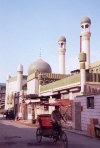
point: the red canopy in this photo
(64, 102)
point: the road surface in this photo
(14, 134)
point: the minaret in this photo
(62, 50)
(19, 77)
(85, 39)
(7, 91)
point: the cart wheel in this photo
(39, 135)
(55, 136)
(64, 140)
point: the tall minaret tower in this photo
(85, 39)
(19, 77)
(62, 50)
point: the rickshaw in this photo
(46, 129)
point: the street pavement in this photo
(14, 134)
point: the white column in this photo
(86, 47)
(62, 50)
(61, 63)
(19, 78)
(70, 95)
(83, 79)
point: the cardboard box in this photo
(94, 121)
(90, 130)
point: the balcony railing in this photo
(92, 77)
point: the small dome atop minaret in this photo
(85, 19)
(62, 38)
(20, 68)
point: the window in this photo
(90, 102)
(46, 107)
(2, 88)
(3, 95)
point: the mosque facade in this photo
(25, 93)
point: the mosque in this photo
(25, 93)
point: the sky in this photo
(28, 26)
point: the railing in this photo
(92, 77)
(61, 83)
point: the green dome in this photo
(40, 66)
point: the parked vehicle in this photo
(10, 114)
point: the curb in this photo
(76, 131)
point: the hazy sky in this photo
(26, 26)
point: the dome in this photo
(39, 65)
(85, 20)
(62, 38)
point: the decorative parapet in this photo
(93, 77)
(12, 79)
(95, 67)
(32, 76)
(92, 88)
(46, 75)
(61, 83)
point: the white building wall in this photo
(33, 87)
(86, 113)
(75, 94)
(39, 109)
(70, 95)
(65, 96)
(12, 87)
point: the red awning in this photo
(63, 102)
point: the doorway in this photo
(78, 115)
